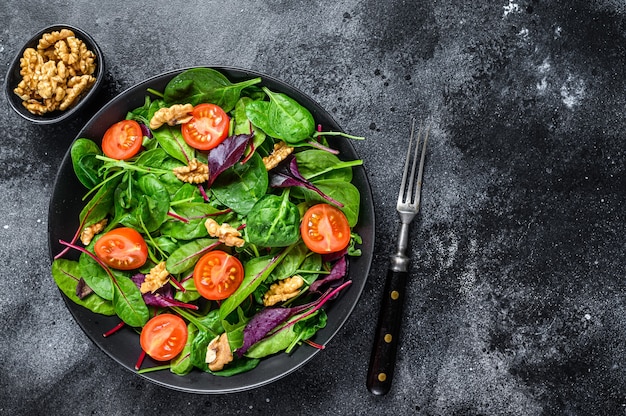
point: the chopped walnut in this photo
(154, 280)
(226, 233)
(283, 290)
(77, 85)
(88, 232)
(218, 353)
(280, 152)
(49, 39)
(176, 114)
(56, 74)
(195, 172)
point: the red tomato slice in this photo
(208, 127)
(122, 248)
(122, 140)
(217, 275)
(325, 229)
(164, 336)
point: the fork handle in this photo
(383, 358)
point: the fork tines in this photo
(409, 195)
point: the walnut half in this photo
(154, 280)
(195, 172)
(283, 290)
(218, 353)
(225, 233)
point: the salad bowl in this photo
(123, 346)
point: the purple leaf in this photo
(338, 272)
(267, 320)
(262, 323)
(82, 290)
(226, 154)
(287, 174)
(163, 297)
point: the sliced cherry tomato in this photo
(122, 140)
(325, 229)
(122, 248)
(217, 275)
(208, 127)
(164, 336)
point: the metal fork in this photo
(383, 357)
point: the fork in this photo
(383, 356)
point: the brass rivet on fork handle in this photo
(383, 357)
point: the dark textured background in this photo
(518, 302)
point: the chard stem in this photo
(114, 329)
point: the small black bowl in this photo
(13, 78)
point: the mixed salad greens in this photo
(218, 234)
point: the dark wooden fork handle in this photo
(383, 358)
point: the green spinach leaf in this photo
(66, 274)
(83, 154)
(205, 85)
(273, 221)
(242, 185)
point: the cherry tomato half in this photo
(122, 248)
(164, 336)
(325, 229)
(122, 140)
(208, 127)
(217, 275)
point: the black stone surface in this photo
(517, 304)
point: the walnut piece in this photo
(56, 74)
(154, 280)
(218, 353)
(225, 233)
(88, 232)
(195, 172)
(283, 290)
(176, 114)
(280, 152)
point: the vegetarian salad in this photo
(217, 223)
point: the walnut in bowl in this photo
(54, 74)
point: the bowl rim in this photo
(13, 75)
(196, 382)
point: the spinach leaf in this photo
(101, 204)
(311, 163)
(182, 364)
(156, 201)
(196, 214)
(311, 264)
(85, 163)
(243, 125)
(198, 350)
(171, 140)
(344, 192)
(242, 185)
(142, 204)
(290, 264)
(188, 254)
(95, 276)
(66, 274)
(273, 221)
(285, 337)
(205, 85)
(258, 113)
(128, 302)
(289, 120)
(256, 270)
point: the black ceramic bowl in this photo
(13, 78)
(66, 204)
